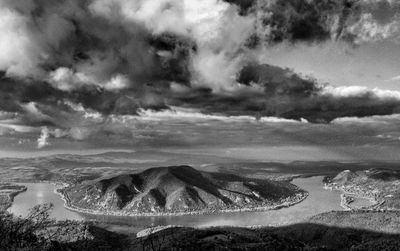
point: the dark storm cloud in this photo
(354, 21)
(15, 96)
(287, 95)
(67, 35)
(307, 21)
(115, 57)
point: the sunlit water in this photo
(40, 193)
(318, 201)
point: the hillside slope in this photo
(306, 236)
(388, 222)
(178, 189)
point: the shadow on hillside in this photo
(305, 236)
(294, 237)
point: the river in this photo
(318, 201)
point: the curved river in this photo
(318, 201)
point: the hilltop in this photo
(178, 189)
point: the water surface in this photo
(318, 201)
(41, 193)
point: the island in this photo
(177, 190)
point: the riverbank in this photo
(375, 189)
(348, 199)
(7, 194)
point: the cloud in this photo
(18, 128)
(19, 54)
(66, 80)
(369, 29)
(361, 91)
(42, 141)
(29, 42)
(215, 26)
(395, 78)
(315, 21)
(74, 64)
(81, 133)
(195, 115)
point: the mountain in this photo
(177, 189)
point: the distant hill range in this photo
(177, 189)
(383, 185)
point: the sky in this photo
(374, 65)
(309, 79)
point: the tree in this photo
(30, 233)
